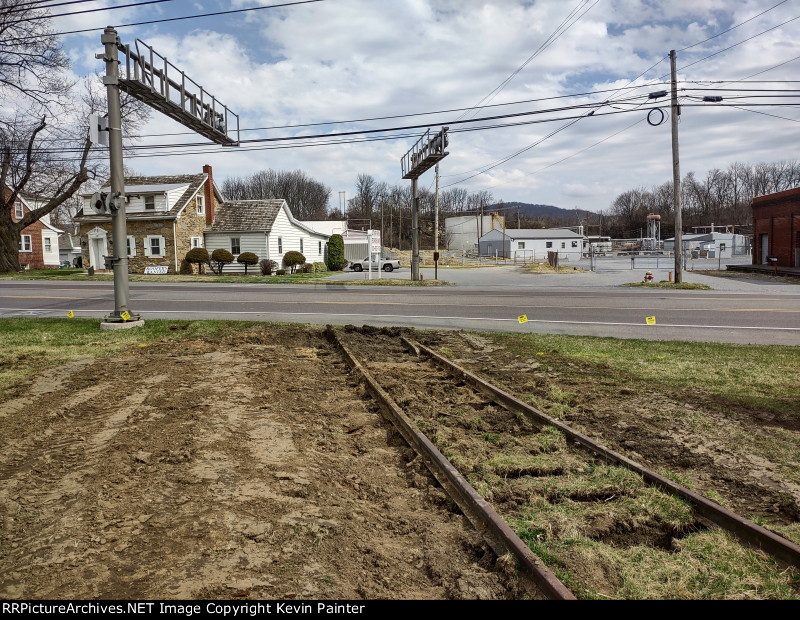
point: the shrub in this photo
(267, 266)
(247, 259)
(292, 259)
(320, 267)
(335, 259)
(280, 272)
(186, 268)
(220, 258)
(307, 268)
(199, 256)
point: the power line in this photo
(43, 4)
(174, 19)
(96, 10)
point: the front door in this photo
(764, 248)
(98, 248)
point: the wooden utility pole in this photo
(676, 173)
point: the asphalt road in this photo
(762, 317)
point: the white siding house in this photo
(532, 243)
(266, 228)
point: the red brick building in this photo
(776, 228)
(38, 244)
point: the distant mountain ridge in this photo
(572, 216)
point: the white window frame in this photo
(131, 246)
(18, 210)
(146, 199)
(548, 244)
(196, 242)
(574, 244)
(238, 245)
(199, 204)
(563, 245)
(148, 246)
(280, 245)
(520, 245)
(301, 245)
(25, 243)
(319, 250)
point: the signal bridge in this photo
(150, 77)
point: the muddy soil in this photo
(248, 467)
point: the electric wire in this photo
(95, 10)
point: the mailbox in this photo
(772, 260)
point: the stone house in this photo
(166, 216)
(38, 243)
(266, 228)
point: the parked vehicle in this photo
(387, 264)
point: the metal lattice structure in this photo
(151, 78)
(425, 154)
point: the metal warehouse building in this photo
(532, 243)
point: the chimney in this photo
(208, 192)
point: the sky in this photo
(331, 62)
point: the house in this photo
(266, 228)
(776, 228)
(38, 243)
(166, 217)
(714, 244)
(69, 248)
(532, 243)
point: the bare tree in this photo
(307, 197)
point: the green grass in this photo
(296, 278)
(760, 376)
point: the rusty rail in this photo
(745, 530)
(494, 530)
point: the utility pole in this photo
(676, 173)
(122, 313)
(414, 231)
(436, 214)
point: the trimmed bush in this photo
(292, 259)
(320, 267)
(267, 266)
(335, 259)
(307, 268)
(186, 268)
(247, 259)
(199, 256)
(280, 272)
(220, 258)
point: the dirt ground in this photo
(251, 467)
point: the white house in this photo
(266, 228)
(716, 244)
(532, 243)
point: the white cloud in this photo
(353, 59)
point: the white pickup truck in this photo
(387, 264)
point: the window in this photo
(563, 244)
(154, 245)
(521, 245)
(301, 246)
(548, 244)
(320, 247)
(197, 242)
(149, 202)
(48, 245)
(236, 245)
(18, 210)
(198, 203)
(25, 243)
(574, 244)
(280, 245)
(721, 247)
(131, 245)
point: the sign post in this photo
(374, 243)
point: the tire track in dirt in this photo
(249, 467)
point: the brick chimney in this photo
(208, 192)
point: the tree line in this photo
(720, 197)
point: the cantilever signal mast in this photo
(426, 153)
(151, 78)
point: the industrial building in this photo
(532, 243)
(462, 232)
(776, 228)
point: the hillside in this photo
(537, 211)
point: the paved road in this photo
(764, 315)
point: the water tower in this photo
(653, 239)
